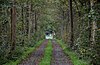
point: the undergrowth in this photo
(72, 55)
(24, 55)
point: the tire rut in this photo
(58, 56)
(36, 56)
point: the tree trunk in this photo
(89, 23)
(35, 20)
(93, 25)
(23, 25)
(30, 23)
(93, 33)
(13, 26)
(71, 23)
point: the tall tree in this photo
(93, 32)
(30, 23)
(13, 25)
(93, 24)
(71, 23)
(35, 20)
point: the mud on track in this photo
(58, 56)
(36, 56)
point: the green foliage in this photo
(21, 55)
(50, 14)
(73, 55)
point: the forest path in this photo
(58, 56)
(36, 56)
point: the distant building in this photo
(49, 34)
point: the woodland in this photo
(23, 23)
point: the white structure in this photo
(49, 36)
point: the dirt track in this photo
(36, 56)
(58, 57)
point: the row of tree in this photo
(20, 27)
(82, 27)
(23, 23)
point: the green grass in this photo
(73, 56)
(24, 54)
(47, 55)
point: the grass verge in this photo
(47, 55)
(73, 56)
(25, 54)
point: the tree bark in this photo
(89, 23)
(35, 20)
(71, 23)
(13, 27)
(93, 33)
(30, 23)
